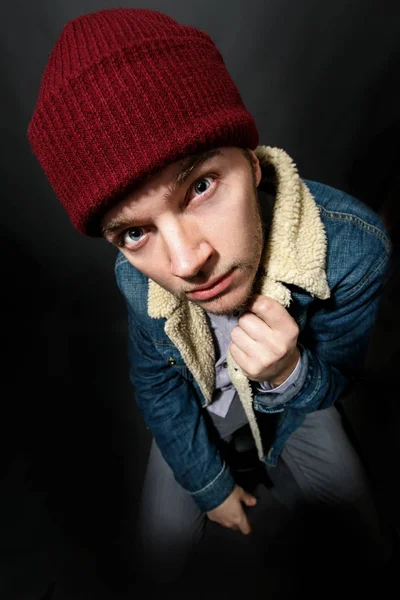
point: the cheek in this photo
(223, 224)
(244, 226)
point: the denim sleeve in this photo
(281, 395)
(264, 387)
(173, 413)
(336, 338)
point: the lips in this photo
(207, 291)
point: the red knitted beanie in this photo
(126, 92)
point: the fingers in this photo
(242, 341)
(246, 497)
(231, 514)
(254, 368)
(256, 328)
(272, 313)
(238, 354)
(249, 500)
(244, 525)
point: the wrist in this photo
(280, 378)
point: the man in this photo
(250, 292)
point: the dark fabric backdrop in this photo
(321, 79)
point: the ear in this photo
(256, 166)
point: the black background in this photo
(321, 79)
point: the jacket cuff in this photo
(215, 492)
(264, 387)
(273, 399)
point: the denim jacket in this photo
(325, 260)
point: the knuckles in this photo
(253, 375)
(263, 304)
(233, 334)
(246, 318)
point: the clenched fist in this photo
(264, 342)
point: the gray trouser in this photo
(318, 466)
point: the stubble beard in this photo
(255, 267)
(240, 306)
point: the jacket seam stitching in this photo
(348, 217)
(211, 482)
(364, 282)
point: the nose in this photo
(187, 249)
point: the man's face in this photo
(195, 229)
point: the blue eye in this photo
(199, 185)
(133, 234)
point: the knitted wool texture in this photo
(126, 92)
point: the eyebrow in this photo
(190, 164)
